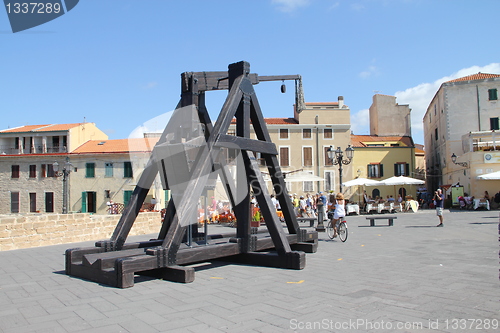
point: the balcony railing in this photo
(481, 141)
(8, 150)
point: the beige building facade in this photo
(302, 142)
(463, 119)
(96, 172)
(388, 118)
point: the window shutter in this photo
(381, 170)
(407, 170)
(396, 170)
(84, 202)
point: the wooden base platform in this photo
(118, 268)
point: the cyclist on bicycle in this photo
(339, 211)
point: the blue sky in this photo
(118, 63)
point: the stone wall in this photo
(31, 230)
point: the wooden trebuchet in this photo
(187, 159)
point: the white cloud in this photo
(150, 85)
(357, 6)
(290, 5)
(360, 122)
(420, 96)
(334, 6)
(371, 71)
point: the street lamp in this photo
(337, 158)
(454, 160)
(66, 169)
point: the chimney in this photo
(341, 102)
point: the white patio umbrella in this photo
(360, 182)
(401, 180)
(490, 176)
(302, 176)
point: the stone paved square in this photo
(411, 277)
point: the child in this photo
(339, 211)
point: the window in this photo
(307, 156)
(33, 202)
(50, 170)
(328, 180)
(32, 171)
(492, 94)
(108, 169)
(401, 169)
(283, 133)
(15, 171)
(306, 133)
(494, 125)
(284, 157)
(49, 202)
(308, 186)
(107, 194)
(90, 170)
(328, 161)
(14, 202)
(127, 170)
(327, 133)
(375, 170)
(126, 197)
(436, 134)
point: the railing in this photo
(9, 150)
(481, 141)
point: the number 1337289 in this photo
(471, 324)
(33, 8)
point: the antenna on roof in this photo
(84, 120)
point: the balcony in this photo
(9, 150)
(481, 141)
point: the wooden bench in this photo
(310, 219)
(390, 218)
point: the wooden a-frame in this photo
(115, 262)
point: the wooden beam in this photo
(235, 142)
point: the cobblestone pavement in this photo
(411, 277)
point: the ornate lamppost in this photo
(64, 172)
(337, 158)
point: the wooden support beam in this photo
(232, 142)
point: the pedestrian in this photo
(438, 199)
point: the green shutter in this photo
(90, 170)
(84, 202)
(126, 197)
(127, 170)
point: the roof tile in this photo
(359, 141)
(478, 76)
(117, 146)
(41, 128)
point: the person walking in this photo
(438, 198)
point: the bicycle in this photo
(341, 229)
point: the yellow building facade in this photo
(382, 157)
